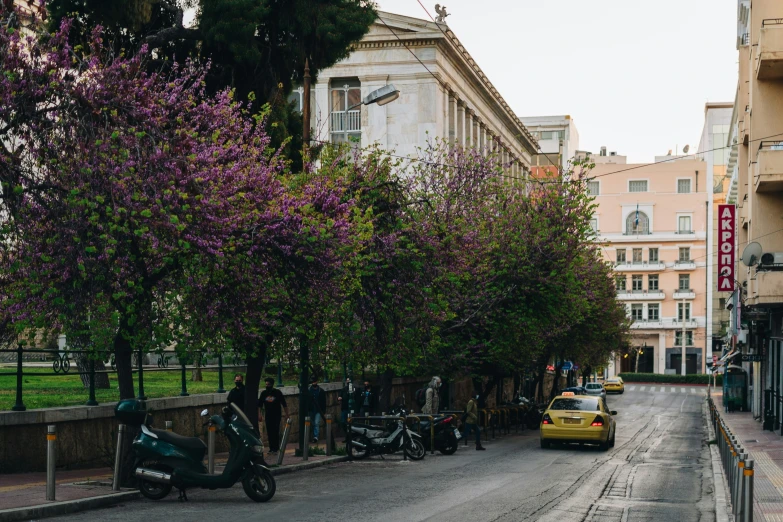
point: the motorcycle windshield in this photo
(241, 417)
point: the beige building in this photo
(756, 188)
(651, 221)
(443, 94)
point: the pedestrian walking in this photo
(432, 404)
(273, 402)
(471, 422)
(237, 395)
(366, 400)
(347, 400)
(317, 407)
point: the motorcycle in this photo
(365, 440)
(163, 459)
(446, 433)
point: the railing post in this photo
(747, 504)
(220, 374)
(405, 439)
(284, 443)
(738, 509)
(91, 401)
(115, 485)
(306, 443)
(211, 449)
(328, 435)
(141, 376)
(51, 460)
(19, 405)
(184, 392)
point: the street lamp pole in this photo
(682, 370)
(306, 111)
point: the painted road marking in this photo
(683, 390)
(632, 388)
(642, 388)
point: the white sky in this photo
(634, 75)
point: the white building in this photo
(443, 94)
(552, 132)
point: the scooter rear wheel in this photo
(450, 446)
(415, 450)
(154, 490)
(259, 485)
(358, 453)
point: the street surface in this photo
(658, 470)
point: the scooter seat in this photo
(188, 443)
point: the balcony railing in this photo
(350, 123)
(638, 266)
(770, 50)
(637, 233)
(684, 293)
(641, 295)
(685, 264)
(685, 232)
(769, 165)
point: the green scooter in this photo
(164, 460)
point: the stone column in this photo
(483, 138)
(460, 123)
(476, 132)
(453, 118)
(470, 121)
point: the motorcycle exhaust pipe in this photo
(358, 445)
(151, 475)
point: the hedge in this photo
(698, 378)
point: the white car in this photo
(595, 388)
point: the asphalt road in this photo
(659, 470)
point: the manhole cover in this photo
(751, 440)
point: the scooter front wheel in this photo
(259, 485)
(415, 450)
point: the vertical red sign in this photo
(727, 215)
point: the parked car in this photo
(595, 388)
(583, 419)
(614, 384)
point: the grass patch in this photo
(46, 389)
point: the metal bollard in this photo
(284, 443)
(306, 444)
(115, 485)
(211, 449)
(51, 459)
(432, 435)
(738, 508)
(747, 489)
(328, 435)
(169, 426)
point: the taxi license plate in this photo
(572, 421)
(457, 434)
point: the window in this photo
(653, 255)
(684, 225)
(594, 188)
(636, 283)
(619, 283)
(620, 255)
(297, 98)
(722, 303)
(637, 223)
(685, 254)
(653, 312)
(594, 225)
(637, 186)
(683, 186)
(683, 308)
(346, 115)
(637, 312)
(552, 135)
(652, 283)
(720, 135)
(637, 255)
(678, 338)
(685, 282)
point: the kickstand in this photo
(381, 457)
(183, 497)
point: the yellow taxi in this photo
(614, 384)
(578, 418)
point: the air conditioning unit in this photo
(772, 258)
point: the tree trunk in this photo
(122, 356)
(255, 368)
(539, 391)
(637, 363)
(195, 375)
(384, 396)
(101, 379)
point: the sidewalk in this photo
(766, 450)
(23, 495)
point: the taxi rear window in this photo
(594, 386)
(574, 404)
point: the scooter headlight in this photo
(258, 450)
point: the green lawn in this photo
(51, 390)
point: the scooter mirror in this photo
(204, 413)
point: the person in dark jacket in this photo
(346, 397)
(273, 403)
(317, 407)
(366, 400)
(471, 422)
(237, 395)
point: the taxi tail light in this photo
(598, 421)
(547, 419)
(446, 420)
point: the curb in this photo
(65, 507)
(721, 487)
(74, 506)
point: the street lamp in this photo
(381, 96)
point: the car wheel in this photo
(604, 446)
(544, 444)
(611, 442)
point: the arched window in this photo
(637, 223)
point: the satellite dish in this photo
(751, 254)
(685, 149)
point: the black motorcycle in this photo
(365, 440)
(447, 434)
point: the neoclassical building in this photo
(443, 94)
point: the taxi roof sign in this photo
(568, 394)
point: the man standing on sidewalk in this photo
(272, 401)
(237, 395)
(471, 422)
(317, 407)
